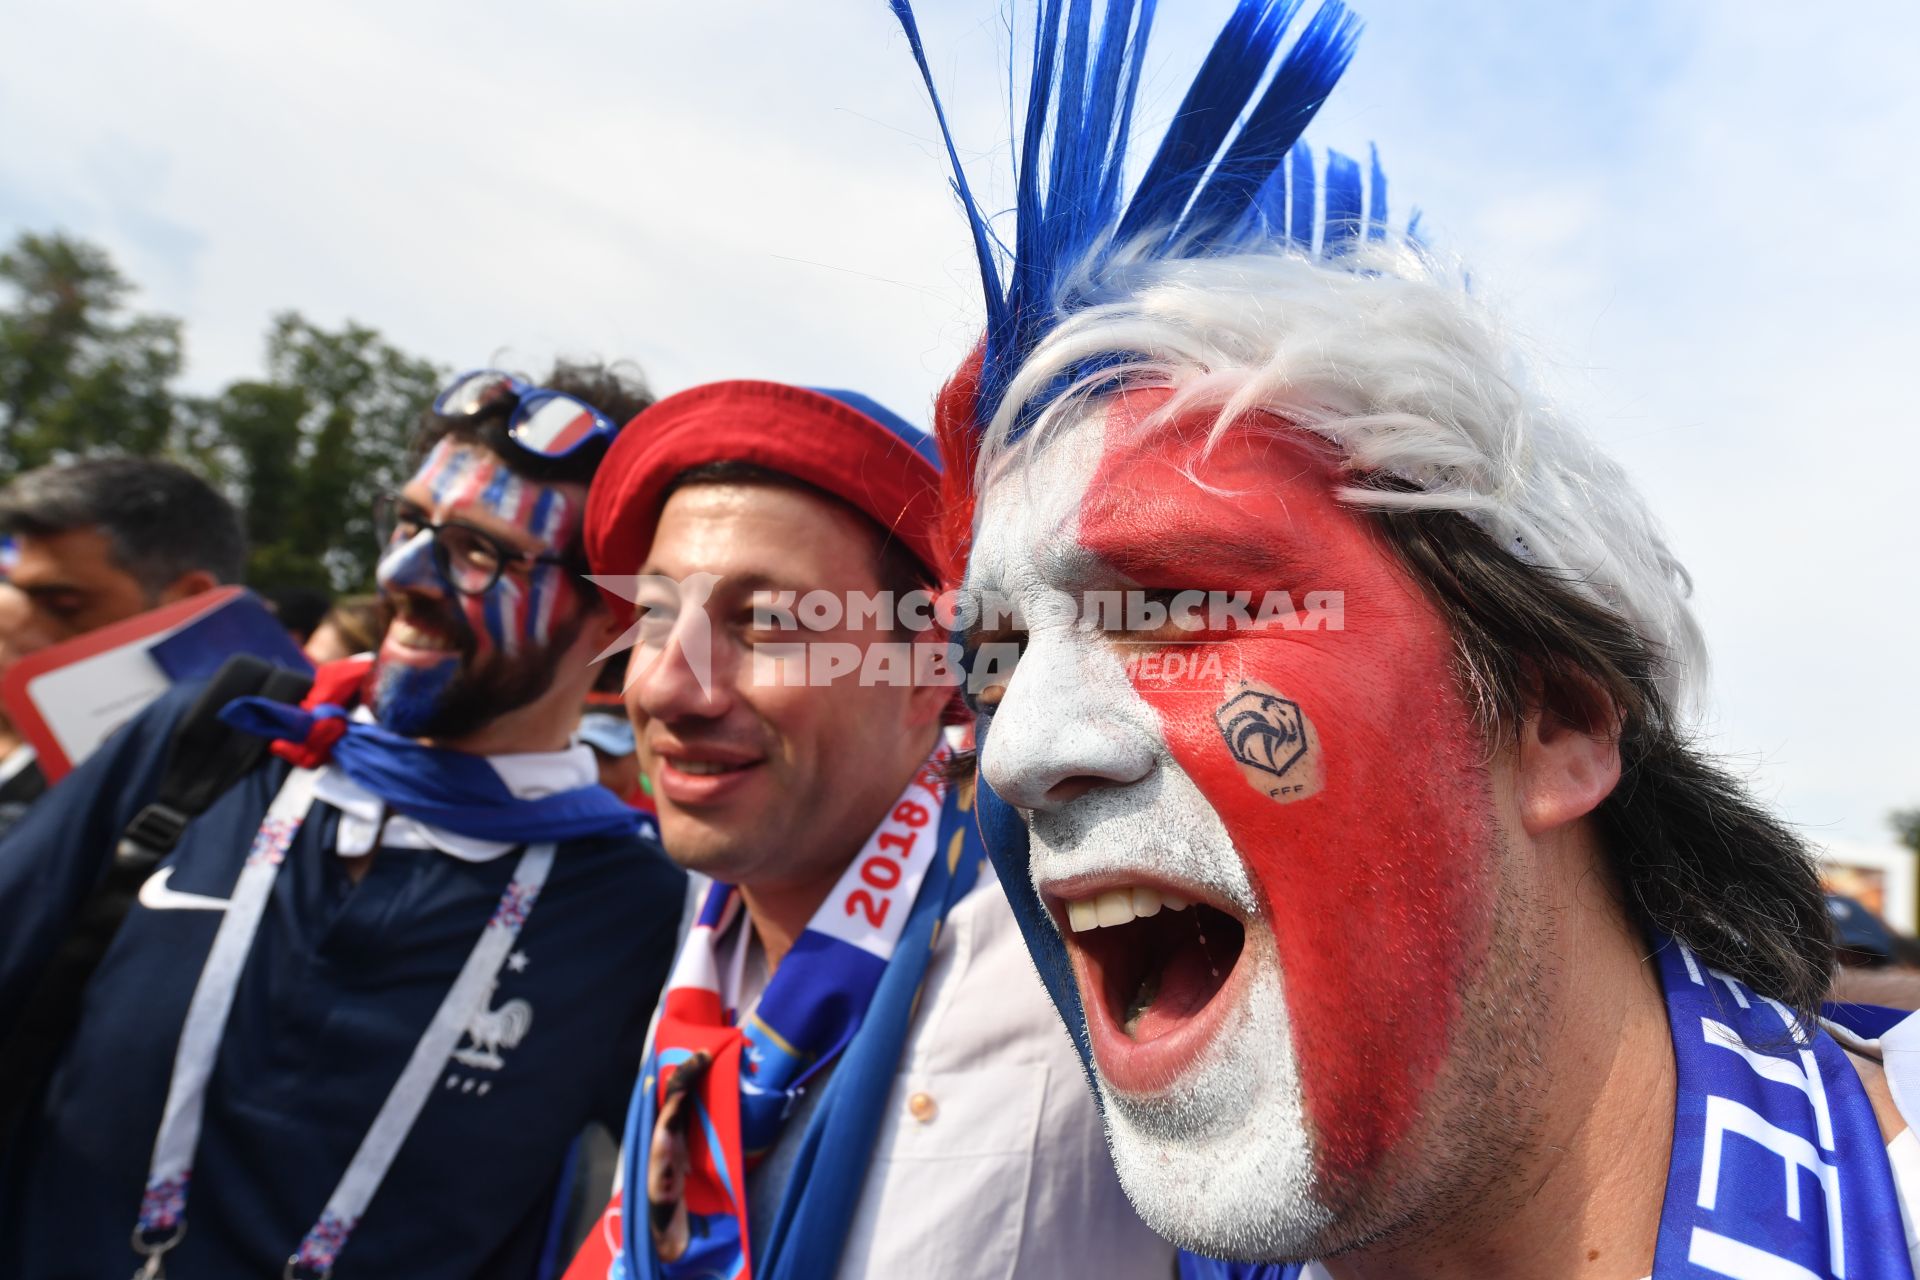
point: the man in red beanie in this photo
(853, 1071)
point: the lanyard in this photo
(163, 1208)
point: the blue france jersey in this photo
(341, 982)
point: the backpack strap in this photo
(205, 757)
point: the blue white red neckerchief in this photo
(1779, 1170)
(163, 1207)
(809, 1011)
(452, 790)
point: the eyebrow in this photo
(735, 583)
(1064, 560)
(46, 590)
(515, 537)
(1185, 546)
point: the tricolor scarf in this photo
(448, 789)
(1779, 1171)
(843, 994)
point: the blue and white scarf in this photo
(1779, 1171)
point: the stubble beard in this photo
(1464, 1171)
(478, 692)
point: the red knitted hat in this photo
(838, 441)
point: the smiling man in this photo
(1338, 774)
(879, 1084)
(362, 1010)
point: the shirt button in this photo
(922, 1107)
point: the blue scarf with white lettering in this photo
(1779, 1171)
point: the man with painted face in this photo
(361, 1011)
(1330, 728)
(853, 1072)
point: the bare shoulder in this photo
(1888, 988)
(1874, 1077)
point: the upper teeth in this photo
(704, 766)
(1118, 906)
(414, 638)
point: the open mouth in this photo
(1158, 971)
(411, 634)
(414, 641)
(421, 634)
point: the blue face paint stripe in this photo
(446, 469)
(542, 508)
(409, 563)
(496, 621)
(535, 590)
(496, 490)
(405, 698)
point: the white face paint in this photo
(1218, 1157)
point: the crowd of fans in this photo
(104, 540)
(657, 873)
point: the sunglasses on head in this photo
(547, 422)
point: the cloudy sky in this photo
(1698, 212)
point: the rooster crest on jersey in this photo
(493, 1029)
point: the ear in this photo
(191, 583)
(1565, 768)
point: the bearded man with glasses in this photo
(360, 1013)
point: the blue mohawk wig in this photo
(1229, 176)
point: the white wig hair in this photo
(1388, 356)
(1266, 291)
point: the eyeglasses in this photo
(469, 561)
(547, 422)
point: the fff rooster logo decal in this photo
(1264, 731)
(1272, 741)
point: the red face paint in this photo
(1377, 885)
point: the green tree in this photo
(302, 451)
(306, 450)
(1906, 827)
(79, 372)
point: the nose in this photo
(1068, 722)
(667, 681)
(31, 634)
(408, 565)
